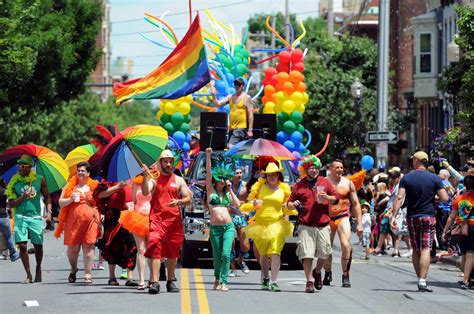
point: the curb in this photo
(450, 260)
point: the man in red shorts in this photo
(420, 188)
(166, 230)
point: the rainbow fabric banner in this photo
(183, 72)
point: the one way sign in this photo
(389, 137)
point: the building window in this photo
(425, 53)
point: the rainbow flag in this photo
(183, 72)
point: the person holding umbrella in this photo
(268, 196)
(166, 235)
(23, 193)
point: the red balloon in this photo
(298, 67)
(274, 79)
(269, 72)
(284, 56)
(283, 67)
(266, 82)
(296, 55)
(267, 98)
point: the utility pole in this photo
(274, 22)
(382, 70)
(330, 18)
(287, 20)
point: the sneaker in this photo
(274, 287)
(407, 254)
(124, 274)
(224, 287)
(424, 288)
(309, 287)
(464, 286)
(265, 284)
(154, 288)
(231, 273)
(101, 266)
(244, 267)
(171, 287)
(327, 278)
(346, 282)
(317, 281)
(15, 256)
(2, 257)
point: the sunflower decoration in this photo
(223, 168)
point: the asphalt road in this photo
(382, 285)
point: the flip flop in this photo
(72, 276)
(141, 286)
(27, 281)
(88, 280)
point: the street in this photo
(382, 284)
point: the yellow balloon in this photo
(184, 108)
(301, 108)
(158, 115)
(279, 97)
(288, 106)
(297, 97)
(189, 99)
(277, 108)
(269, 106)
(305, 98)
(169, 108)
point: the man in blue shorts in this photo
(420, 188)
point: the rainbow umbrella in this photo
(79, 154)
(259, 147)
(46, 163)
(126, 152)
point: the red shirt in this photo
(166, 190)
(315, 214)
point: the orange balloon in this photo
(295, 76)
(300, 87)
(269, 89)
(288, 87)
(279, 87)
(282, 77)
(267, 98)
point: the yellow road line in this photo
(201, 292)
(185, 292)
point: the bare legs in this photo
(88, 256)
(141, 246)
(275, 266)
(344, 234)
(421, 262)
(468, 265)
(26, 261)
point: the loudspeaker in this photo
(213, 126)
(264, 126)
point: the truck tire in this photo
(189, 256)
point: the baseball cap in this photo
(420, 155)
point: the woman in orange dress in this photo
(80, 220)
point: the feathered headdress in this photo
(222, 168)
(307, 162)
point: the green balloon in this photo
(244, 53)
(296, 117)
(184, 128)
(238, 60)
(187, 118)
(241, 69)
(300, 128)
(228, 63)
(283, 117)
(289, 126)
(177, 119)
(280, 125)
(165, 118)
(169, 127)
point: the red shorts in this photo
(422, 231)
(165, 239)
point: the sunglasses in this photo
(23, 165)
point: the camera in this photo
(299, 208)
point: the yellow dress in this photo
(269, 228)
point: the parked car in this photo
(196, 215)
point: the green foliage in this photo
(47, 51)
(71, 124)
(458, 78)
(257, 23)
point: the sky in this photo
(127, 21)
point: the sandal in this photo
(72, 276)
(141, 286)
(88, 279)
(27, 280)
(113, 282)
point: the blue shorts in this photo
(365, 238)
(239, 221)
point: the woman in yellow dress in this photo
(268, 196)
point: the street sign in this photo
(381, 150)
(389, 137)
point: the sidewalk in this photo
(450, 260)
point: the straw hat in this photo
(166, 154)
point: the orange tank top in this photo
(344, 205)
(166, 190)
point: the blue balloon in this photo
(188, 137)
(367, 162)
(230, 78)
(186, 147)
(231, 90)
(301, 148)
(221, 86)
(282, 137)
(179, 137)
(289, 145)
(171, 144)
(296, 137)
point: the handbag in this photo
(459, 231)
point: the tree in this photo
(47, 50)
(257, 23)
(458, 80)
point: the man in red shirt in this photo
(166, 230)
(311, 197)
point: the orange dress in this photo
(82, 222)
